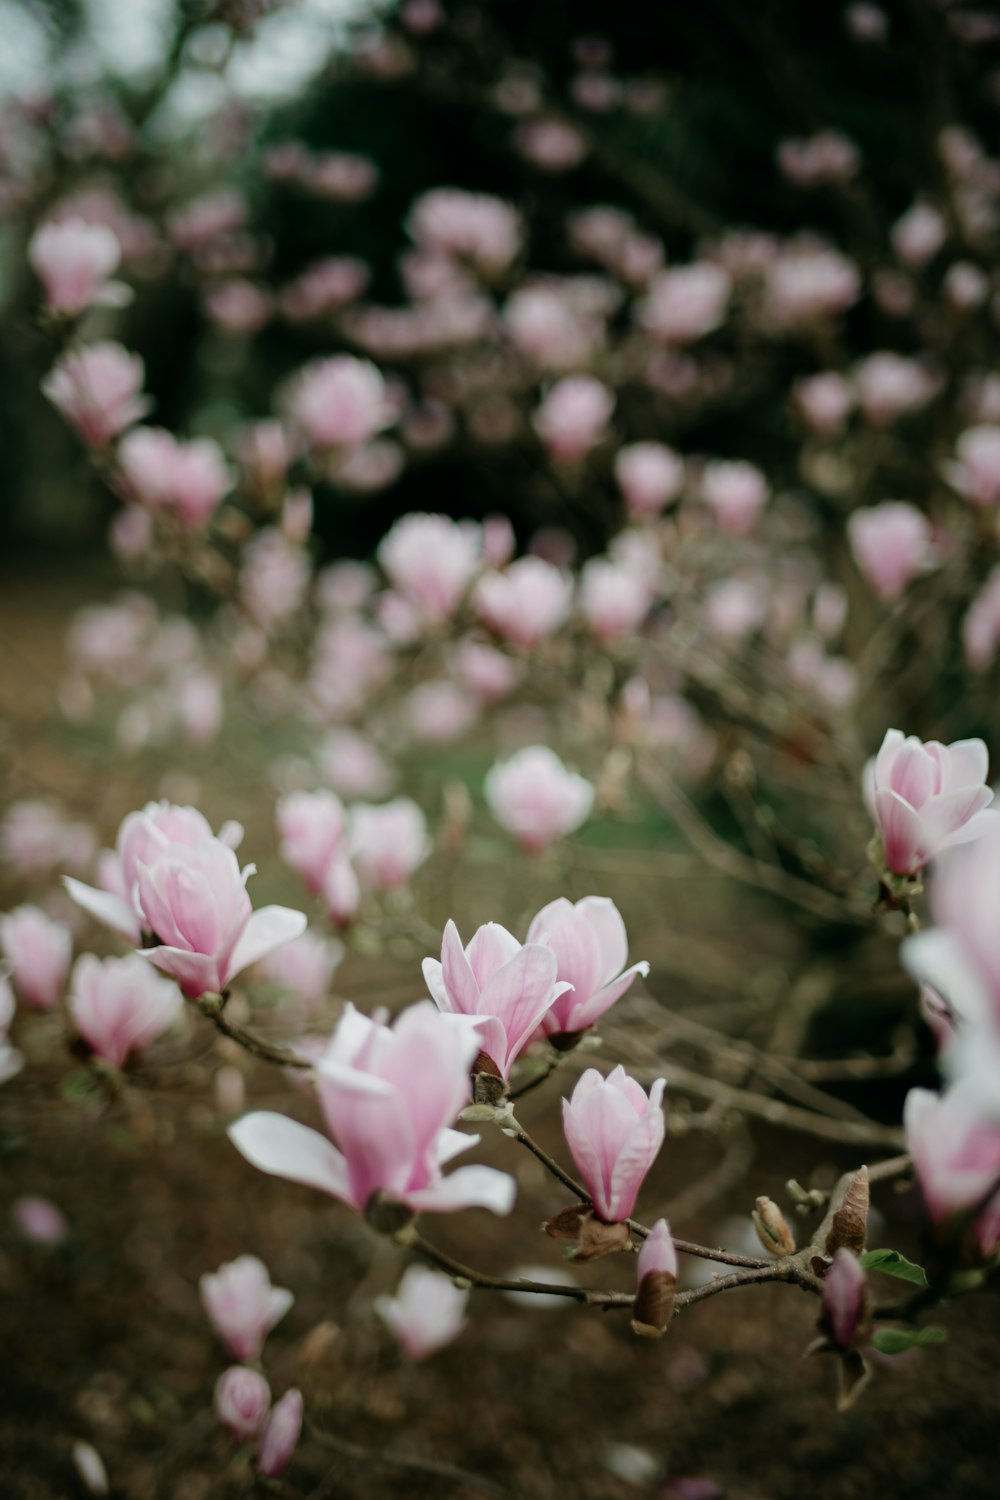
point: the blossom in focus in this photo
(927, 797)
(432, 560)
(74, 261)
(427, 1312)
(280, 1435)
(891, 544)
(98, 390)
(119, 1005)
(387, 842)
(507, 987)
(388, 1097)
(242, 1401)
(656, 1278)
(574, 416)
(242, 1305)
(38, 952)
(589, 941)
(537, 798)
(341, 402)
(526, 603)
(614, 1132)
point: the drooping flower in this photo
(891, 544)
(614, 1131)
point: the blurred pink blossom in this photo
(891, 544)
(573, 417)
(242, 1401)
(97, 389)
(242, 1305)
(536, 798)
(649, 476)
(119, 1005)
(432, 560)
(74, 261)
(526, 603)
(280, 1435)
(38, 951)
(427, 1312)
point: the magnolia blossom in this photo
(890, 386)
(614, 600)
(280, 1435)
(656, 1278)
(387, 843)
(927, 797)
(341, 402)
(507, 987)
(614, 1132)
(119, 1006)
(97, 389)
(845, 1300)
(981, 626)
(976, 471)
(242, 1401)
(38, 952)
(649, 476)
(189, 479)
(735, 492)
(74, 261)
(685, 303)
(470, 226)
(388, 1096)
(574, 416)
(526, 603)
(591, 947)
(891, 544)
(11, 1060)
(432, 560)
(242, 1305)
(956, 1154)
(305, 966)
(312, 827)
(919, 234)
(427, 1312)
(805, 283)
(536, 798)
(40, 1220)
(825, 402)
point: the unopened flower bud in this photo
(846, 1315)
(849, 1223)
(242, 1398)
(280, 1435)
(772, 1228)
(656, 1275)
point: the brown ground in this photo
(104, 1339)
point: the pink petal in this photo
(110, 911)
(970, 763)
(266, 930)
(469, 1187)
(606, 921)
(282, 1147)
(196, 973)
(458, 975)
(914, 774)
(598, 1005)
(902, 834)
(491, 947)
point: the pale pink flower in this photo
(657, 1254)
(866, 23)
(551, 145)
(197, 701)
(119, 1005)
(965, 286)
(427, 1312)
(280, 1435)
(806, 283)
(927, 797)
(507, 987)
(955, 1150)
(36, 836)
(890, 386)
(432, 560)
(74, 262)
(591, 947)
(341, 402)
(960, 955)
(614, 600)
(825, 157)
(574, 416)
(242, 1305)
(918, 235)
(981, 627)
(387, 843)
(685, 303)
(546, 323)
(189, 479)
(40, 1220)
(735, 492)
(976, 472)
(825, 402)
(536, 798)
(469, 226)
(845, 1299)
(341, 176)
(614, 1132)
(97, 389)
(439, 712)
(526, 603)
(237, 306)
(485, 671)
(353, 766)
(735, 607)
(274, 578)
(211, 216)
(38, 952)
(649, 476)
(892, 545)
(305, 966)
(312, 827)
(388, 1097)
(242, 1401)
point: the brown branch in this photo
(211, 1008)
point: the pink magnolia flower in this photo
(526, 603)
(387, 843)
(890, 386)
(827, 156)
(927, 797)
(119, 1006)
(507, 987)
(74, 262)
(574, 416)
(36, 837)
(658, 1253)
(341, 402)
(473, 227)
(918, 235)
(591, 947)
(614, 599)
(40, 1220)
(242, 1401)
(825, 402)
(427, 1312)
(312, 827)
(805, 283)
(845, 1300)
(685, 303)
(536, 798)
(736, 493)
(955, 1150)
(38, 952)
(142, 838)
(485, 671)
(981, 626)
(305, 966)
(280, 1435)
(388, 1096)
(97, 389)
(976, 471)
(354, 766)
(432, 560)
(614, 1133)
(188, 479)
(649, 476)
(891, 544)
(959, 956)
(439, 712)
(242, 1305)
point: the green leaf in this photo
(898, 1340)
(891, 1263)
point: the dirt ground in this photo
(103, 1339)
